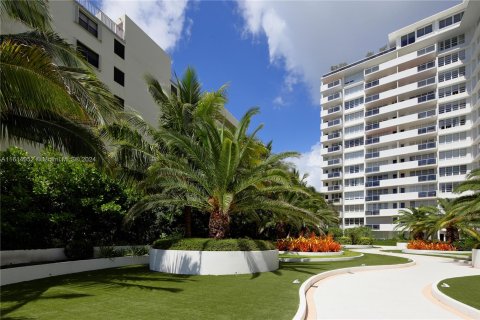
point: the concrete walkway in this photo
(388, 294)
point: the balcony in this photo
(372, 112)
(372, 212)
(333, 162)
(372, 126)
(427, 194)
(115, 28)
(428, 145)
(334, 188)
(334, 175)
(331, 111)
(426, 162)
(331, 85)
(334, 123)
(328, 100)
(427, 177)
(372, 155)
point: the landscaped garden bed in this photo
(312, 243)
(319, 256)
(213, 257)
(460, 293)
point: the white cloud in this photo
(279, 101)
(306, 37)
(163, 20)
(310, 163)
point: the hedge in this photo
(201, 244)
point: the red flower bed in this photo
(309, 244)
(424, 245)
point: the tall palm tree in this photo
(213, 176)
(418, 221)
(49, 94)
(446, 219)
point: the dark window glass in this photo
(119, 49)
(89, 55)
(87, 23)
(423, 31)
(408, 39)
(120, 101)
(119, 76)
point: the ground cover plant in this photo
(311, 243)
(137, 293)
(463, 289)
(201, 244)
(425, 245)
(346, 253)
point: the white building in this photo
(120, 52)
(402, 127)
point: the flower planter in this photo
(402, 245)
(298, 253)
(213, 262)
(476, 258)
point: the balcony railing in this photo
(426, 66)
(426, 162)
(334, 161)
(426, 50)
(373, 226)
(372, 140)
(334, 188)
(372, 126)
(428, 145)
(372, 169)
(334, 135)
(427, 177)
(372, 198)
(371, 84)
(372, 212)
(425, 98)
(333, 84)
(334, 174)
(334, 109)
(427, 129)
(372, 97)
(333, 96)
(334, 122)
(426, 114)
(371, 155)
(375, 183)
(372, 112)
(425, 82)
(372, 69)
(88, 5)
(425, 194)
(334, 148)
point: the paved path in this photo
(389, 294)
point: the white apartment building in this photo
(120, 52)
(401, 128)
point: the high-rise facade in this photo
(401, 128)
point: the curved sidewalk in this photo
(389, 294)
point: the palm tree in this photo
(49, 94)
(446, 219)
(420, 222)
(215, 176)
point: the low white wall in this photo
(9, 257)
(302, 307)
(27, 273)
(455, 304)
(357, 246)
(415, 251)
(28, 256)
(476, 258)
(402, 245)
(297, 253)
(213, 262)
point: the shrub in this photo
(79, 249)
(136, 251)
(111, 252)
(310, 244)
(476, 246)
(335, 232)
(201, 244)
(423, 245)
(358, 232)
(344, 240)
(365, 241)
(465, 244)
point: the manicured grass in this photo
(346, 253)
(466, 256)
(386, 242)
(137, 293)
(463, 289)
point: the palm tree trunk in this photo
(451, 234)
(280, 230)
(219, 225)
(187, 216)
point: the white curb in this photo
(293, 259)
(457, 305)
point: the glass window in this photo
(119, 49)
(92, 57)
(119, 76)
(87, 23)
(408, 39)
(450, 20)
(425, 30)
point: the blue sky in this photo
(272, 53)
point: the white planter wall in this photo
(476, 258)
(213, 262)
(28, 256)
(20, 274)
(402, 245)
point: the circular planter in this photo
(213, 262)
(298, 253)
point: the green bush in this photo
(111, 252)
(476, 246)
(136, 251)
(465, 244)
(344, 240)
(79, 249)
(356, 233)
(335, 232)
(201, 244)
(385, 242)
(365, 241)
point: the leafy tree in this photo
(418, 221)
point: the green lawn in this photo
(136, 293)
(463, 289)
(346, 253)
(466, 256)
(386, 242)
